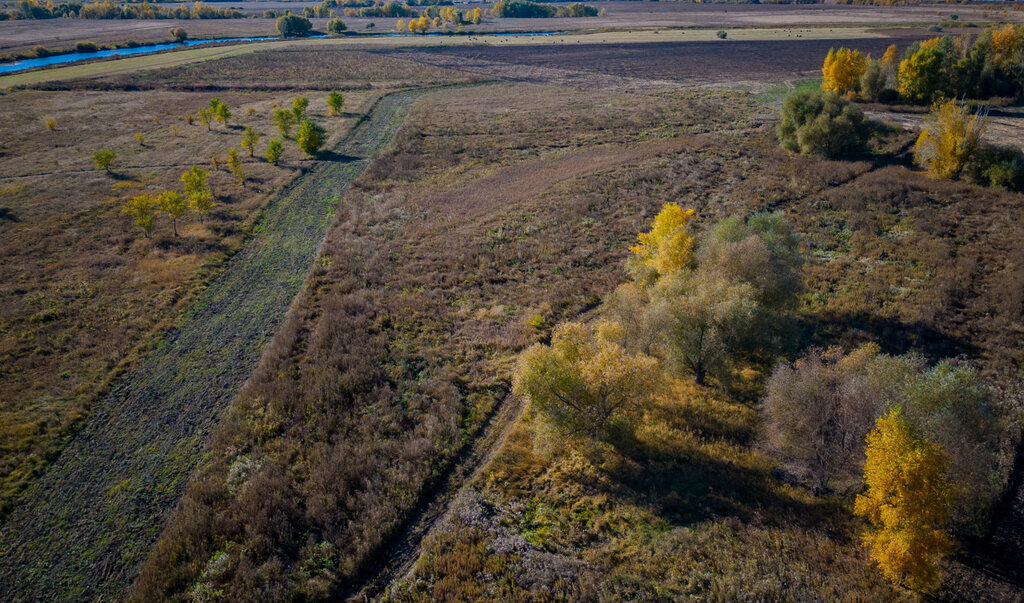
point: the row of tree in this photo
(104, 9)
(992, 65)
(197, 196)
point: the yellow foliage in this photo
(842, 70)
(907, 502)
(888, 60)
(143, 209)
(668, 247)
(1007, 42)
(950, 140)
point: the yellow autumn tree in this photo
(668, 246)
(951, 138)
(584, 383)
(842, 70)
(907, 503)
(890, 58)
(1008, 43)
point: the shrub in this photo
(821, 124)
(86, 47)
(42, 51)
(950, 140)
(721, 34)
(51, 124)
(179, 34)
(293, 26)
(997, 166)
(585, 384)
(335, 101)
(274, 150)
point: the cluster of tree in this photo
(951, 67)
(820, 410)
(293, 26)
(197, 196)
(336, 26)
(311, 136)
(451, 15)
(32, 9)
(691, 309)
(525, 9)
(822, 124)
(328, 4)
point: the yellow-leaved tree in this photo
(667, 248)
(584, 382)
(842, 70)
(951, 138)
(907, 503)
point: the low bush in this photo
(86, 46)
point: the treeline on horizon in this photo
(32, 9)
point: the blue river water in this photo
(74, 57)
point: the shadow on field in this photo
(335, 156)
(894, 336)
(6, 215)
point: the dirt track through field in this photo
(83, 528)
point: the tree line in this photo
(32, 9)
(924, 449)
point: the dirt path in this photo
(83, 528)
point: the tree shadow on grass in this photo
(6, 215)
(893, 336)
(336, 157)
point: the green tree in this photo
(293, 26)
(873, 81)
(335, 100)
(284, 120)
(104, 159)
(179, 34)
(584, 383)
(197, 188)
(174, 204)
(310, 138)
(249, 140)
(220, 110)
(907, 503)
(274, 150)
(206, 117)
(821, 124)
(336, 26)
(703, 318)
(236, 167)
(920, 75)
(299, 105)
(143, 209)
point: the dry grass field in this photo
(83, 292)
(504, 205)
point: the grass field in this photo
(307, 396)
(131, 459)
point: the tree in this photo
(274, 150)
(104, 159)
(220, 110)
(293, 26)
(666, 248)
(249, 140)
(702, 316)
(174, 204)
(179, 34)
(200, 195)
(143, 208)
(400, 25)
(236, 167)
(284, 120)
(920, 75)
(950, 140)
(821, 124)
(421, 25)
(336, 26)
(873, 81)
(335, 100)
(906, 502)
(310, 137)
(206, 116)
(842, 70)
(299, 105)
(475, 16)
(583, 383)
